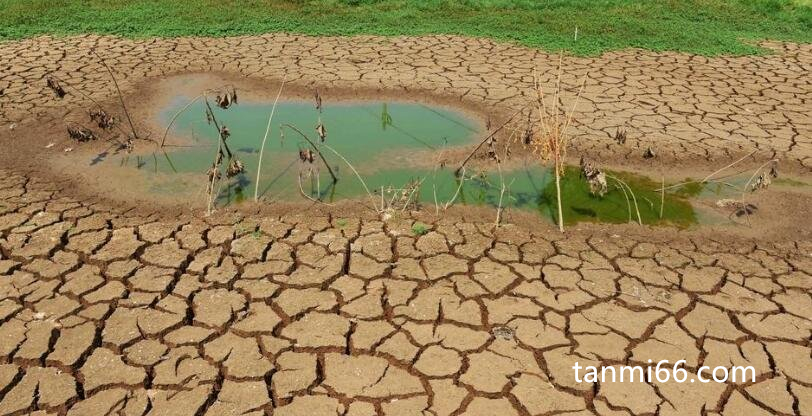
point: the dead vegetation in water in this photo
(760, 179)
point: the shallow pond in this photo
(392, 145)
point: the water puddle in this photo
(394, 146)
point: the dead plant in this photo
(227, 99)
(234, 166)
(620, 136)
(314, 147)
(550, 138)
(265, 139)
(80, 133)
(56, 87)
(394, 200)
(102, 119)
(594, 177)
(120, 96)
(761, 178)
(627, 190)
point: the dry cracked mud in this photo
(686, 107)
(108, 310)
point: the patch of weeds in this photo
(419, 228)
(341, 223)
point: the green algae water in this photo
(392, 145)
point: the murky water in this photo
(394, 146)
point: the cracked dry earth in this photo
(106, 312)
(687, 107)
(109, 311)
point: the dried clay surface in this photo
(689, 108)
(106, 309)
(108, 312)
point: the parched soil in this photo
(107, 309)
(688, 108)
(106, 312)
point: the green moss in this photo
(708, 27)
(579, 205)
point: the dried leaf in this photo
(234, 168)
(223, 101)
(307, 156)
(54, 85)
(102, 119)
(321, 131)
(225, 133)
(762, 182)
(620, 136)
(80, 134)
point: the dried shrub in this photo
(550, 138)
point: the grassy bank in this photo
(707, 27)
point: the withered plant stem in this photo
(662, 196)
(358, 175)
(217, 126)
(120, 95)
(708, 178)
(316, 148)
(175, 117)
(488, 137)
(755, 173)
(265, 138)
(83, 94)
(215, 168)
(553, 139)
(634, 198)
(461, 179)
